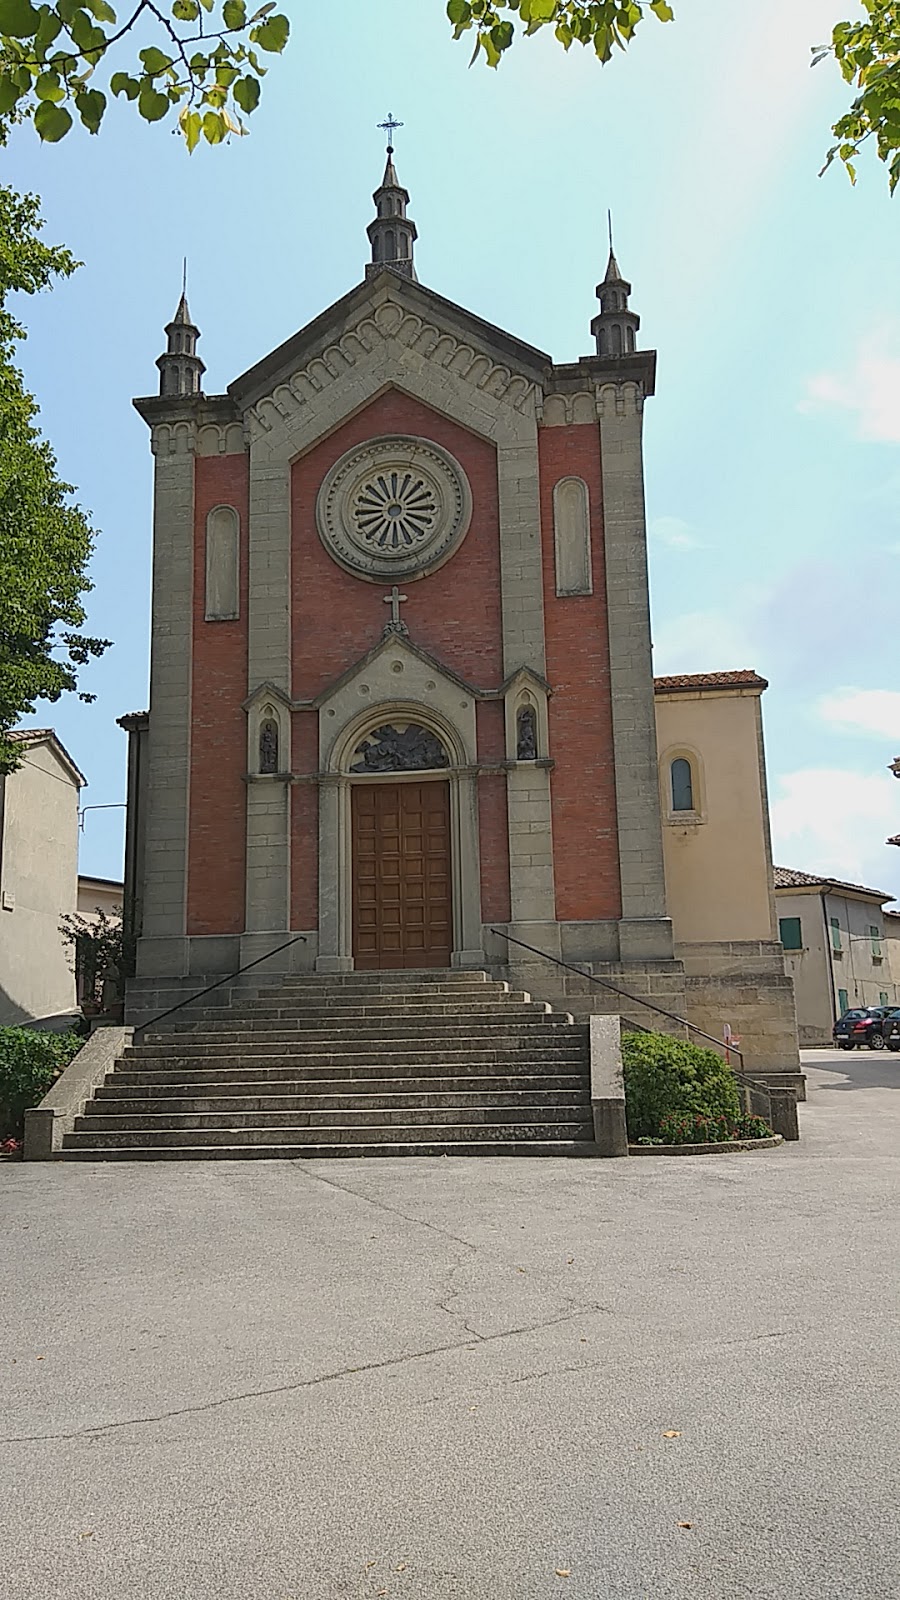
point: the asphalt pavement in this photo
(498, 1380)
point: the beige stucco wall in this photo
(39, 886)
(717, 857)
(94, 895)
(820, 972)
(892, 948)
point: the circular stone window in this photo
(393, 508)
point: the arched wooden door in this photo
(402, 897)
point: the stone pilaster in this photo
(162, 947)
(645, 932)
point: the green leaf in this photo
(225, 76)
(100, 10)
(191, 123)
(52, 122)
(19, 19)
(663, 10)
(246, 93)
(151, 104)
(459, 12)
(120, 83)
(90, 105)
(214, 127)
(271, 35)
(9, 93)
(50, 27)
(185, 10)
(234, 13)
(48, 87)
(154, 60)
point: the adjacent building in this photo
(38, 878)
(837, 948)
(717, 853)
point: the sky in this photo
(773, 441)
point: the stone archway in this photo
(399, 870)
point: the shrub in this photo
(751, 1127)
(30, 1061)
(666, 1077)
(687, 1127)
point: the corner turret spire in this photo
(180, 369)
(392, 234)
(615, 327)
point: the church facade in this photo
(402, 699)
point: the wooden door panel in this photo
(402, 914)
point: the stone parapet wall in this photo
(760, 1011)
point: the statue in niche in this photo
(526, 734)
(388, 749)
(268, 746)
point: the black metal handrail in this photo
(636, 999)
(299, 938)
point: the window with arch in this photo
(681, 779)
(222, 561)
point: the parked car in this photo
(861, 1026)
(891, 1030)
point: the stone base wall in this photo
(660, 983)
(744, 984)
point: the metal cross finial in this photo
(396, 625)
(609, 223)
(389, 125)
(184, 275)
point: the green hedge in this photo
(30, 1061)
(667, 1080)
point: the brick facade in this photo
(583, 783)
(217, 837)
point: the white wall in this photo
(38, 885)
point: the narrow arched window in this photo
(222, 563)
(682, 785)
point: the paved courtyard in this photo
(660, 1378)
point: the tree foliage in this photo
(45, 541)
(202, 61)
(199, 59)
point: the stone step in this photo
(344, 1063)
(579, 1147)
(324, 1080)
(337, 1120)
(301, 1100)
(329, 1018)
(392, 1132)
(348, 985)
(398, 1033)
(250, 1012)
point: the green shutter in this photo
(790, 933)
(835, 935)
(843, 1002)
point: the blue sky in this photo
(773, 467)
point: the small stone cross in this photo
(396, 625)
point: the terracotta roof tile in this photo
(790, 878)
(683, 681)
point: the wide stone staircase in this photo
(356, 1064)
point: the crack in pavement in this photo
(381, 1205)
(285, 1388)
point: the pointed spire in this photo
(392, 234)
(180, 368)
(615, 327)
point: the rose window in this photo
(395, 511)
(396, 507)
